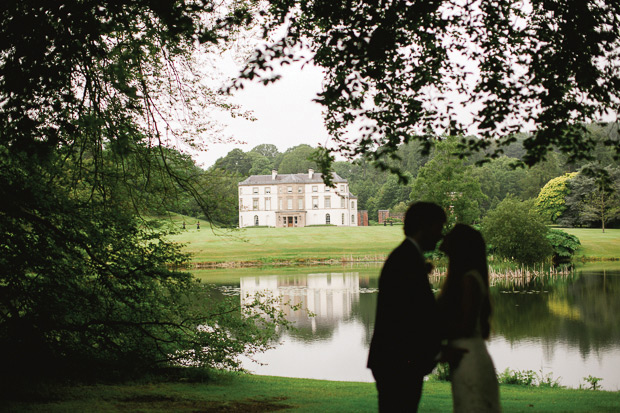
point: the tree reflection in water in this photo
(582, 311)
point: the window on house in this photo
(255, 190)
(327, 219)
(328, 202)
(255, 204)
(341, 188)
(352, 219)
(300, 203)
(289, 189)
(300, 189)
(280, 203)
(352, 204)
(315, 202)
(342, 204)
(256, 220)
(267, 204)
(342, 219)
(240, 203)
(267, 189)
(240, 191)
(315, 188)
(327, 188)
(289, 203)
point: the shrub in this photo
(564, 245)
(517, 232)
(593, 382)
(94, 293)
(441, 372)
(520, 377)
(528, 378)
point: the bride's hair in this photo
(467, 252)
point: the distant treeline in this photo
(460, 183)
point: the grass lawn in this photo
(265, 244)
(291, 244)
(596, 244)
(247, 393)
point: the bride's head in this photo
(465, 248)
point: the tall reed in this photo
(515, 276)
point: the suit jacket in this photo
(406, 324)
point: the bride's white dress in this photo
(474, 382)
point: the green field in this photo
(265, 244)
(596, 244)
(337, 243)
(247, 393)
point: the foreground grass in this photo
(336, 243)
(248, 393)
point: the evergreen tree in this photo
(594, 197)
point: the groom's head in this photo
(424, 222)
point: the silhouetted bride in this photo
(465, 312)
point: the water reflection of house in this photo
(329, 296)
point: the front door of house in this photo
(290, 221)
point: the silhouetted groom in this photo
(406, 340)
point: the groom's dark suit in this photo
(406, 339)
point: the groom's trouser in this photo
(400, 389)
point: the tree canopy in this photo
(268, 150)
(447, 181)
(551, 201)
(97, 103)
(399, 71)
(297, 159)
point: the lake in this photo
(567, 327)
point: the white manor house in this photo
(295, 200)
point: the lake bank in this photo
(248, 393)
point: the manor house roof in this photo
(275, 178)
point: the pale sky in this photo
(285, 114)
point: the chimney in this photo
(274, 173)
(310, 173)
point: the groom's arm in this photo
(449, 354)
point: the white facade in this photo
(295, 200)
